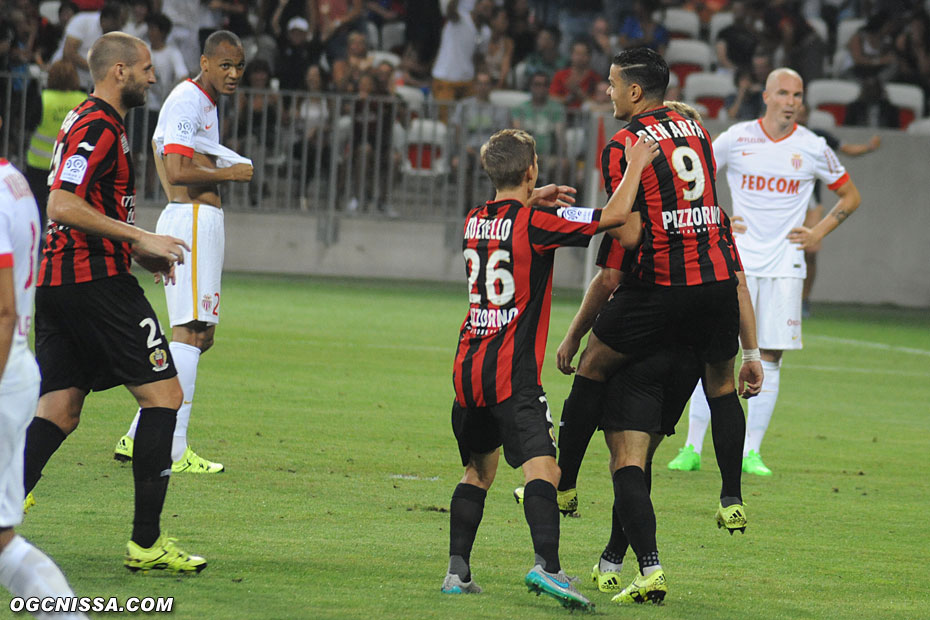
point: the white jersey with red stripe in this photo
(771, 182)
(187, 117)
(19, 249)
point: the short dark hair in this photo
(160, 21)
(645, 67)
(112, 48)
(112, 10)
(506, 157)
(217, 38)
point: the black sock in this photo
(728, 428)
(618, 543)
(151, 471)
(43, 437)
(580, 415)
(465, 514)
(636, 514)
(542, 515)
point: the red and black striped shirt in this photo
(687, 238)
(509, 252)
(92, 161)
(611, 255)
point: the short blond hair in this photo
(112, 48)
(506, 157)
(684, 109)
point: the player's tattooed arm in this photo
(840, 215)
(809, 238)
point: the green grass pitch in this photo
(329, 401)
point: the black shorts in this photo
(650, 394)
(642, 317)
(99, 334)
(522, 424)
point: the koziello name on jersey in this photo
(779, 185)
(697, 217)
(493, 230)
(482, 321)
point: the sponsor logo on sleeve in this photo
(576, 214)
(74, 169)
(186, 131)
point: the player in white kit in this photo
(24, 570)
(191, 163)
(772, 164)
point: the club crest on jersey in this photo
(576, 214)
(796, 161)
(206, 302)
(159, 360)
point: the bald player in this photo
(772, 164)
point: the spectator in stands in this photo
(641, 30)
(358, 61)
(736, 44)
(602, 52)
(872, 108)
(380, 12)
(62, 93)
(424, 22)
(520, 29)
(498, 50)
(231, 15)
(747, 103)
(314, 112)
(297, 52)
(871, 48)
(575, 84)
(546, 59)
(413, 71)
(912, 47)
(575, 19)
(545, 120)
(599, 103)
(454, 69)
(336, 19)
(49, 35)
(372, 128)
(801, 47)
(475, 119)
(185, 19)
(388, 75)
(83, 30)
(139, 11)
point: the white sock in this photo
(132, 427)
(698, 418)
(609, 567)
(28, 573)
(761, 407)
(186, 358)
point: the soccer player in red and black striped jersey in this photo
(686, 288)
(94, 327)
(508, 245)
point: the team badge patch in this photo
(159, 360)
(186, 131)
(74, 168)
(576, 214)
(796, 161)
(206, 302)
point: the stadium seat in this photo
(520, 79)
(372, 36)
(427, 148)
(920, 127)
(718, 22)
(393, 36)
(509, 98)
(909, 98)
(412, 95)
(49, 10)
(845, 30)
(832, 96)
(687, 56)
(575, 143)
(818, 119)
(378, 56)
(819, 26)
(710, 90)
(680, 23)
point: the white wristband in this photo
(751, 355)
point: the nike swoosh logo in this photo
(749, 153)
(559, 583)
(208, 127)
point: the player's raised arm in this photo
(199, 170)
(620, 205)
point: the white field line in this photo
(865, 371)
(865, 344)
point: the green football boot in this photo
(687, 460)
(752, 464)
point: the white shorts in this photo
(19, 395)
(195, 295)
(777, 304)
